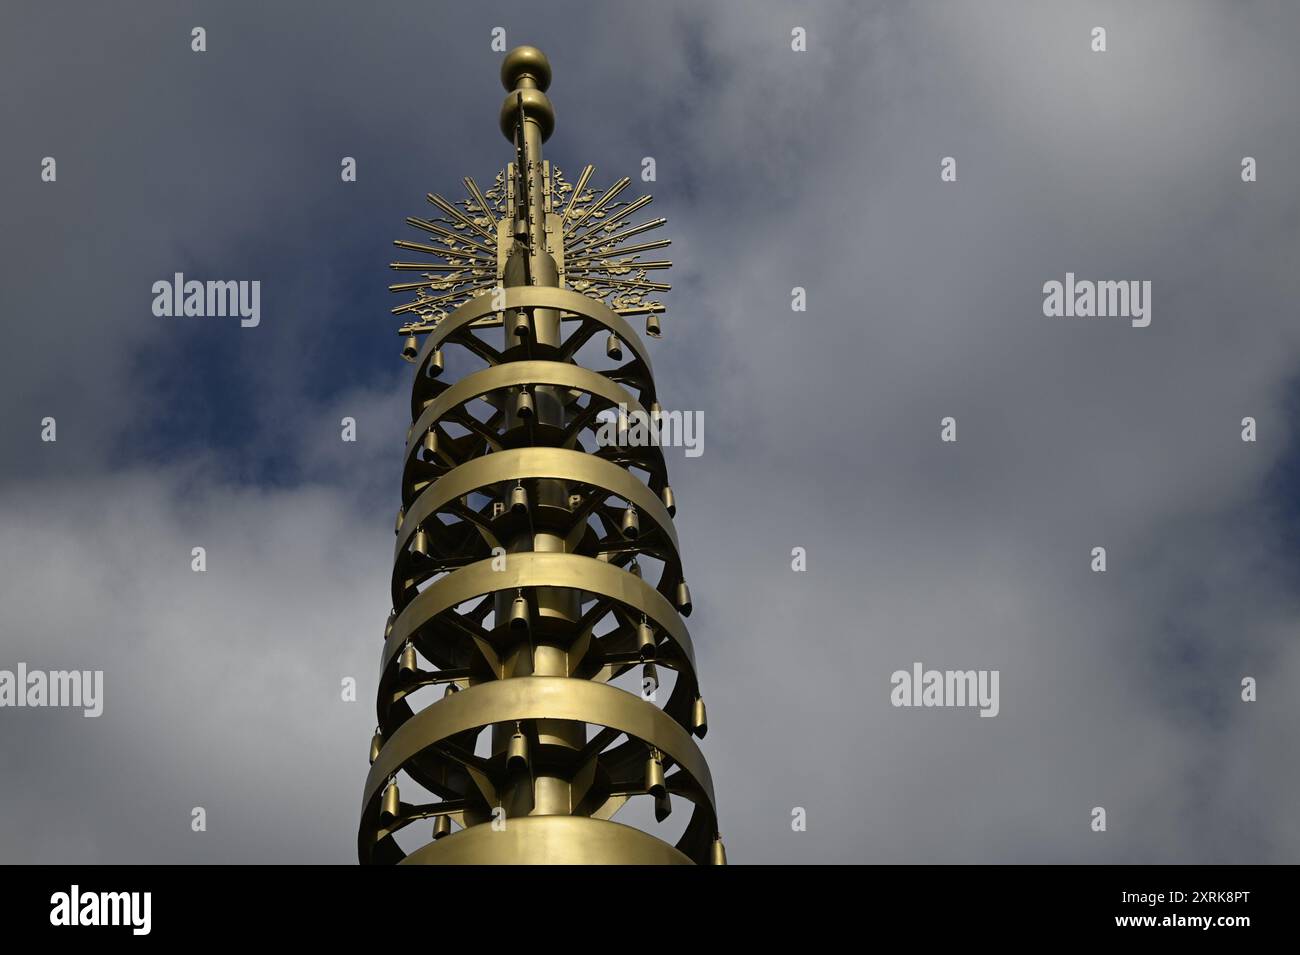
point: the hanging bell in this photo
(613, 350)
(391, 807)
(670, 500)
(649, 679)
(521, 328)
(441, 826)
(406, 664)
(523, 404)
(376, 744)
(654, 775)
(631, 525)
(683, 598)
(634, 568)
(452, 687)
(645, 641)
(518, 499)
(699, 718)
(656, 411)
(411, 349)
(420, 543)
(429, 444)
(434, 368)
(663, 807)
(388, 627)
(652, 326)
(718, 854)
(401, 516)
(519, 613)
(517, 752)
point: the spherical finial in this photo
(526, 61)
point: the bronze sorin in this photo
(536, 576)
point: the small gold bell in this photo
(420, 543)
(391, 807)
(654, 775)
(631, 525)
(519, 612)
(645, 641)
(683, 598)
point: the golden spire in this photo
(536, 573)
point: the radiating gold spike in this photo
(432, 267)
(577, 191)
(632, 249)
(483, 204)
(635, 283)
(605, 265)
(412, 286)
(614, 217)
(459, 216)
(595, 237)
(428, 302)
(597, 206)
(648, 308)
(444, 252)
(434, 229)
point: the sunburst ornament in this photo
(587, 234)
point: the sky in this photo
(818, 169)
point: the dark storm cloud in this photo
(776, 169)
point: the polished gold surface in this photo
(537, 578)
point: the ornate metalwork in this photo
(536, 570)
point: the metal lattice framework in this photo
(535, 565)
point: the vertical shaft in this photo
(545, 650)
